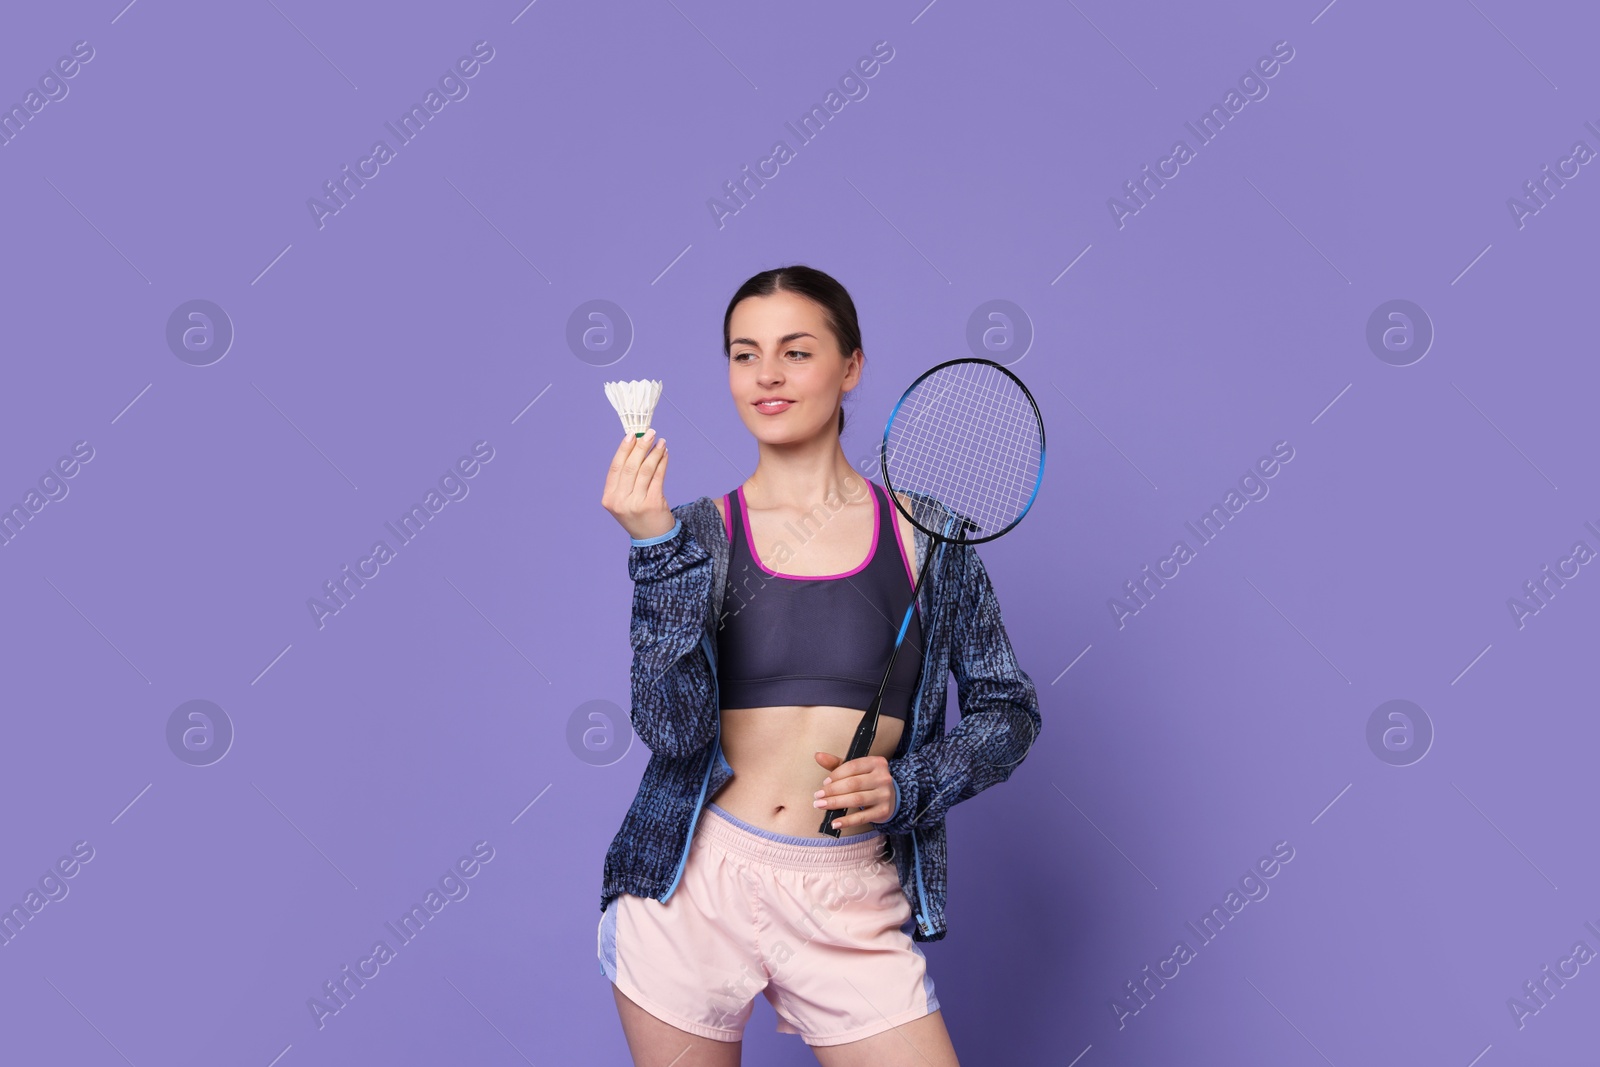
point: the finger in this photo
(828, 760)
(641, 447)
(617, 460)
(629, 483)
(837, 787)
(861, 765)
(861, 778)
(864, 786)
(855, 818)
(655, 471)
(658, 477)
(832, 788)
(834, 801)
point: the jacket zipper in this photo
(923, 922)
(716, 746)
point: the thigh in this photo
(653, 1043)
(922, 1042)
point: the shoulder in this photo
(699, 507)
(907, 529)
(701, 517)
(927, 509)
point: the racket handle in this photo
(860, 745)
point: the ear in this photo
(852, 374)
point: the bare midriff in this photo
(772, 749)
(775, 772)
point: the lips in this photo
(773, 407)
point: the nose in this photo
(770, 372)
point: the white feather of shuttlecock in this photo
(635, 403)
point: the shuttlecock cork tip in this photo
(635, 403)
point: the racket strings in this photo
(969, 436)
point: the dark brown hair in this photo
(813, 284)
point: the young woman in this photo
(762, 624)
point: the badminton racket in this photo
(968, 434)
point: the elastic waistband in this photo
(784, 850)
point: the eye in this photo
(798, 352)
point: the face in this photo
(780, 346)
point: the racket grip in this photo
(867, 729)
(860, 745)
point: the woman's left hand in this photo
(859, 783)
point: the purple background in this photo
(432, 311)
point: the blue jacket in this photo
(679, 580)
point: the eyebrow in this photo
(785, 339)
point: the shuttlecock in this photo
(635, 403)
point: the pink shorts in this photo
(813, 924)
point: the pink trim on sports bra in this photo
(901, 545)
(744, 515)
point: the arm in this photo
(999, 713)
(671, 677)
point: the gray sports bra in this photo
(807, 639)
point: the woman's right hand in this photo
(634, 487)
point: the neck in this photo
(800, 475)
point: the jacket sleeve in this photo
(999, 712)
(673, 690)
